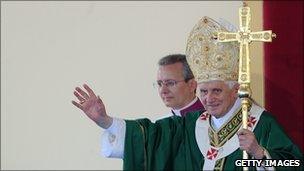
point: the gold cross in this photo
(244, 36)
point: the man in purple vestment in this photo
(176, 85)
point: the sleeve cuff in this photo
(113, 139)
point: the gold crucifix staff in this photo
(244, 36)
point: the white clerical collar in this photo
(177, 111)
(218, 122)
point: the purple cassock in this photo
(195, 107)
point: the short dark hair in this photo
(175, 58)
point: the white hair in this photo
(231, 84)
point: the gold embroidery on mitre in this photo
(208, 59)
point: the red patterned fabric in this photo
(284, 66)
(251, 121)
(212, 153)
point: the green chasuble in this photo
(177, 143)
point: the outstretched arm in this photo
(92, 106)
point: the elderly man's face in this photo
(217, 97)
(174, 91)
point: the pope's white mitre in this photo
(209, 59)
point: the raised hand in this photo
(92, 106)
(249, 143)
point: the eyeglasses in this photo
(167, 83)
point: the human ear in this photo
(193, 84)
(235, 89)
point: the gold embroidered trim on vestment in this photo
(219, 164)
(219, 138)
